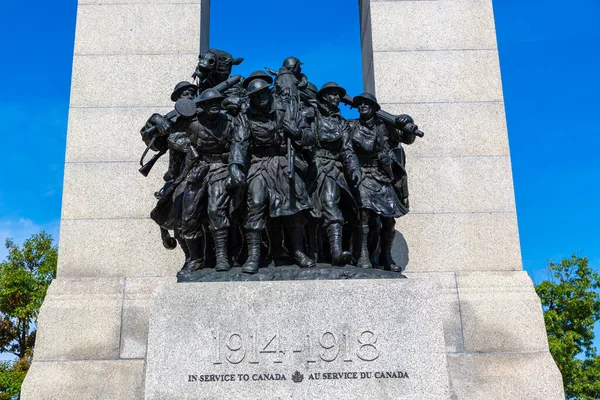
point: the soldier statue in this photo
(273, 188)
(205, 195)
(167, 213)
(375, 194)
(255, 161)
(333, 157)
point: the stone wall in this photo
(91, 341)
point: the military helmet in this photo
(291, 62)
(331, 86)
(369, 97)
(260, 74)
(180, 87)
(311, 90)
(209, 94)
(256, 86)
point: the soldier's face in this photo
(212, 107)
(297, 70)
(188, 94)
(261, 100)
(365, 109)
(332, 97)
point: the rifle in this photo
(391, 119)
(291, 159)
(183, 108)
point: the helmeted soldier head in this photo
(184, 90)
(210, 101)
(260, 74)
(292, 64)
(259, 92)
(367, 105)
(330, 94)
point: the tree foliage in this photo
(571, 305)
(25, 275)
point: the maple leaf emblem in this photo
(297, 377)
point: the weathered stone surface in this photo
(149, 28)
(286, 273)
(80, 320)
(443, 76)
(460, 184)
(142, 80)
(81, 2)
(433, 25)
(458, 242)
(456, 129)
(136, 311)
(110, 190)
(109, 134)
(450, 307)
(366, 44)
(400, 318)
(87, 248)
(500, 312)
(527, 376)
(85, 380)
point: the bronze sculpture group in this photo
(269, 161)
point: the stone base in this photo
(286, 273)
(85, 380)
(351, 339)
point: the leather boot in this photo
(222, 260)
(338, 256)
(252, 262)
(196, 258)
(182, 244)
(362, 232)
(385, 256)
(301, 259)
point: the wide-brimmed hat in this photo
(180, 87)
(331, 86)
(260, 74)
(369, 97)
(256, 86)
(209, 94)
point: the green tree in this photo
(25, 275)
(571, 307)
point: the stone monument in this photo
(470, 322)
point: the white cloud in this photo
(20, 229)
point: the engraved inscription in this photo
(329, 346)
(367, 350)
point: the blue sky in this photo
(550, 60)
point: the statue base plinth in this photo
(286, 273)
(324, 339)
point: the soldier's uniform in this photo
(333, 156)
(205, 196)
(262, 136)
(375, 193)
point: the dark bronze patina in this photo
(263, 175)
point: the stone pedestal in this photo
(350, 339)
